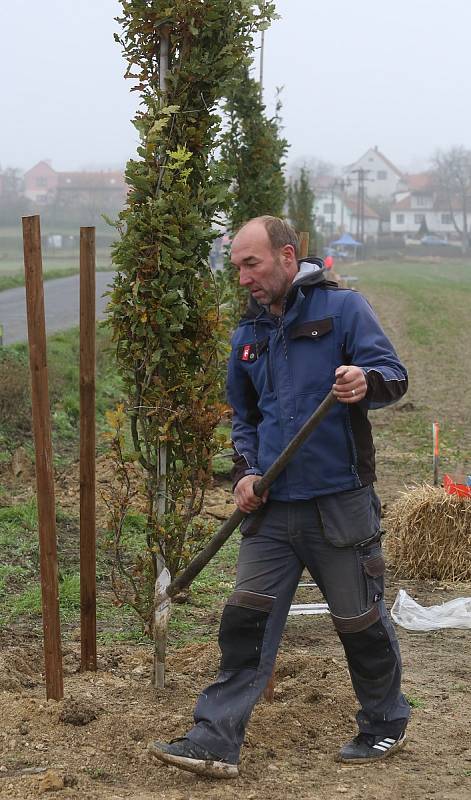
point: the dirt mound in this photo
(20, 668)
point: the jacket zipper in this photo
(269, 373)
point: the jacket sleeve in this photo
(367, 346)
(243, 398)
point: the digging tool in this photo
(163, 598)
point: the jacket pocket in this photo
(312, 345)
(313, 329)
(350, 518)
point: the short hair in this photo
(280, 232)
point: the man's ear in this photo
(288, 254)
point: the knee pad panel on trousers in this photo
(369, 652)
(242, 629)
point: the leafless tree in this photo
(453, 170)
(314, 167)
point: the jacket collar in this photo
(311, 273)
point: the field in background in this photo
(57, 262)
(425, 309)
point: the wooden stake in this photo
(87, 451)
(303, 237)
(269, 691)
(43, 449)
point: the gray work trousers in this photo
(291, 536)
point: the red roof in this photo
(324, 181)
(352, 204)
(420, 181)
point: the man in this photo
(300, 337)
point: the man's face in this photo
(266, 274)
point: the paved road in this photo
(61, 299)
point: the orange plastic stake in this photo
(435, 431)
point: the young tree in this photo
(253, 156)
(163, 308)
(453, 168)
(253, 153)
(301, 206)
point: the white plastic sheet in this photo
(308, 608)
(414, 617)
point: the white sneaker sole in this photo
(208, 769)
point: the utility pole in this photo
(341, 184)
(332, 207)
(361, 177)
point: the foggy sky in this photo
(391, 73)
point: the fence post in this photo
(88, 659)
(43, 449)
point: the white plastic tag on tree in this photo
(161, 584)
(453, 614)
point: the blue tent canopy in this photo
(346, 240)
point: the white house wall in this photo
(432, 218)
(374, 186)
(347, 219)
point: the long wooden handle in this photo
(228, 527)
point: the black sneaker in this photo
(185, 754)
(367, 747)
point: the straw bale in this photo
(429, 535)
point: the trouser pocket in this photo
(372, 566)
(350, 518)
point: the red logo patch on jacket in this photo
(250, 352)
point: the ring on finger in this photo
(353, 392)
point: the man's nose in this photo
(244, 278)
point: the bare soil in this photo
(95, 740)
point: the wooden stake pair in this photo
(43, 450)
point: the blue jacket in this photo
(282, 367)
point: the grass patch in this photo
(28, 602)
(17, 279)
(424, 308)
(63, 369)
(415, 702)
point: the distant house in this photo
(420, 200)
(337, 212)
(40, 183)
(44, 186)
(381, 175)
